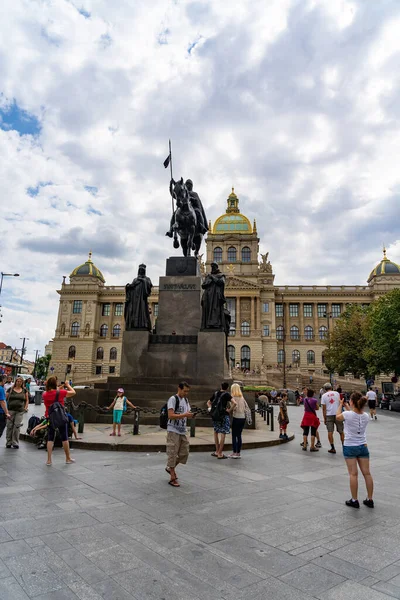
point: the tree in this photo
(383, 352)
(42, 366)
(347, 342)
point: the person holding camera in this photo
(355, 449)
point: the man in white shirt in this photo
(372, 399)
(8, 384)
(330, 403)
(177, 443)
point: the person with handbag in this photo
(310, 420)
(283, 417)
(18, 403)
(241, 413)
(54, 399)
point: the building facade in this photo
(270, 324)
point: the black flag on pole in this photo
(167, 161)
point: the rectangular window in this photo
(77, 307)
(119, 309)
(265, 330)
(293, 310)
(98, 369)
(231, 306)
(322, 309)
(156, 309)
(112, 370)
(279, 310)
(106, 309)
(308, 310)
(336, 310)
(265, 307)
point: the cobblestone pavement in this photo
(270, 526)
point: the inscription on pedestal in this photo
(179, 287)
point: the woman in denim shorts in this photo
(355, 449)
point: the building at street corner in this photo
(267, 320)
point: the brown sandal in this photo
(174, 483)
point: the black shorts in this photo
(372, 404)
(62, 431)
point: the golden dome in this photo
(88, 269)
(385, 267)
(232, 221)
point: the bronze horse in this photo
(185, 225)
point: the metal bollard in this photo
(81, 419)
(193, 427)
(272, 418)
(266, 413)
(136, 422)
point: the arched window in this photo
(232, 254)
(100, 353)
(245, 328)
(217, 254)
(295, 357)
(308, 332)
(103, 330)
(113, 354)
(311, 357)
(231, 354)
(294, 333)
(323, 358)
(116, 330)
(246, 254)
(323, 332)
(75, 329)
(281, 356)
(279, 332)
(71, 352)
(245, 357)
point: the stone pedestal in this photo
(179, 308)
(135, 345)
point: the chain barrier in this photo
(265, 410)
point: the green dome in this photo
(232, 220)
(385, 267)
(88, 269)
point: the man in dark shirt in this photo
(221, 424)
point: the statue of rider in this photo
(202, 226)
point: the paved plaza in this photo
(270, 526)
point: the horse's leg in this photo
(184, 242)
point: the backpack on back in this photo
(57, 415)
(217, 411)
(33, 421)
(164, 413)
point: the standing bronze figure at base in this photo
(137, 315)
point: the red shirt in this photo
(49, 397)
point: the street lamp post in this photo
(36, 359)
(6, 275)
(283, 344)
(23, 349)
(328, 316)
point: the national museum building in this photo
(268, 321)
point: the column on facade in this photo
(238, 314)
(258, 312)
(252, 322)
(316, 326)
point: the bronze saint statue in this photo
(137, 315)
(213, 300)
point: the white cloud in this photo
(293, 102)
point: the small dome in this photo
(88, 269)
(232, 221)
(385, 267)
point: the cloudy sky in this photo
(294, 102)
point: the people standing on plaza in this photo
(119, 406)
(330, 401)
(177, 443)
(283, 417)
(372, 401)
(8, 384)
(240, 407)
(220, 406)
(310, 420)
(274, 394)
(355, 448)
(4, 414)
(18, 404)
(51, 395)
